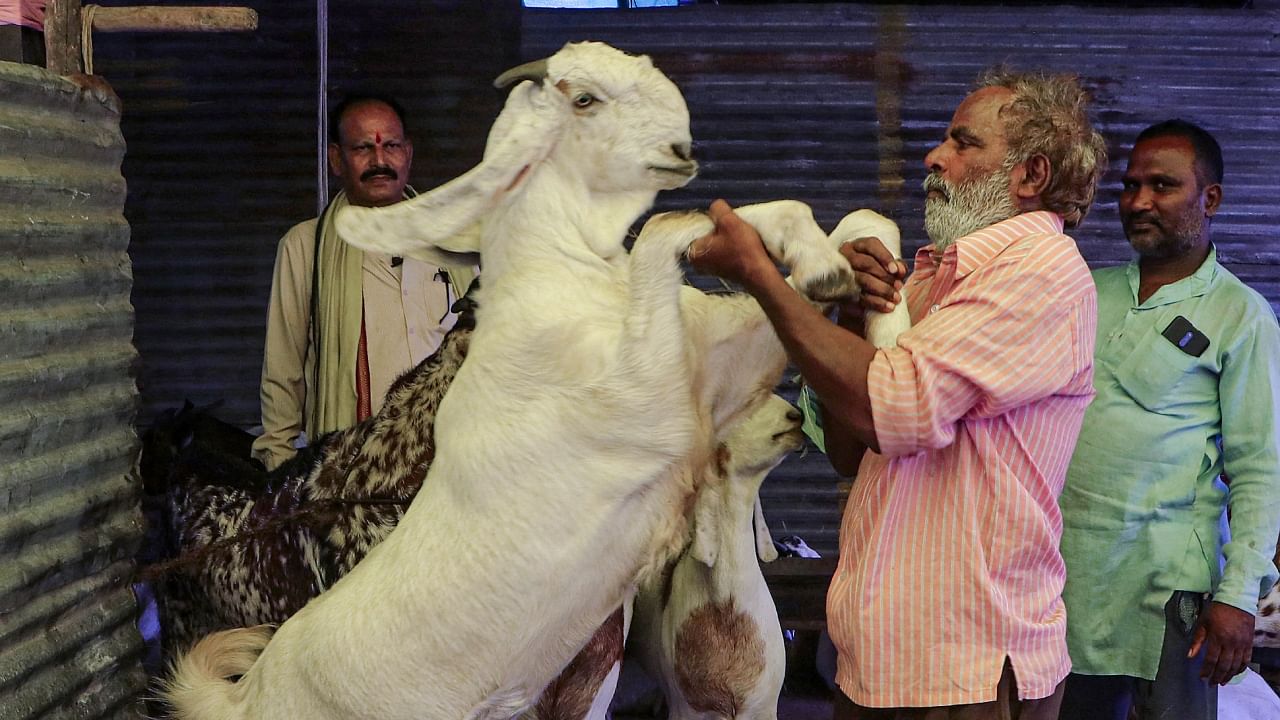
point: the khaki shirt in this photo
(406, 316)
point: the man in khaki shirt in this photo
(339, 332)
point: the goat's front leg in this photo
(787, 228)
(739, 357)
(794, 239)
(882, 329)
(653, 321)
(790, 235)
(818, 270)
(730, 354)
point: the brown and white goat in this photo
(707, 630)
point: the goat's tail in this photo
(202, 683)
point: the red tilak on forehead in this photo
(377, 137)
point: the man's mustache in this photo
(379, 171)
(933, 181)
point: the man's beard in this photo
(967, 207)
(1169, 237)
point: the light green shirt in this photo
(1143, 503)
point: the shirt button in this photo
(934, 309)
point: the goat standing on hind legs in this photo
(571, 438)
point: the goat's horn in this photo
(535, 71)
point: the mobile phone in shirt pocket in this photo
(1186, 337)
(1152, 372)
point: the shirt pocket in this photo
(1152, 372)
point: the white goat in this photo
(571, 438)
(708, 630)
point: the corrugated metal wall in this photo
(69, 518)
(837, 105)
(221, 133)
(439, 58)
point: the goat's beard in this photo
(967, 207)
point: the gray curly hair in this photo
(1049, 116)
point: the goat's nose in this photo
(682, 150)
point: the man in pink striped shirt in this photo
(947, 599)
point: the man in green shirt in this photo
(1160, 596)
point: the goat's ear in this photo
(765, 549)
(398, 235)
(442, 225)
(708, 507)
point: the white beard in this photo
(967, 207)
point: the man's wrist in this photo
(854, 322)
(759, 276)
(1234, 602)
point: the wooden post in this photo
(150, 18)
(62, 37)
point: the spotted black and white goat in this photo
(571, 440)
(1266, 632)
(255, 547)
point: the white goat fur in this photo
(709, 632)
(570, 439)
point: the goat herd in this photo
(589, 477)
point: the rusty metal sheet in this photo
(69, 517)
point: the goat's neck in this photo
(556, 217)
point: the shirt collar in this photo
(976, 249)
(1197, 283)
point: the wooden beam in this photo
(151, 18)
(62, 36)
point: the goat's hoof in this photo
(827, 286)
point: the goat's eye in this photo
(584, 100)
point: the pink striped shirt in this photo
(949, 544)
